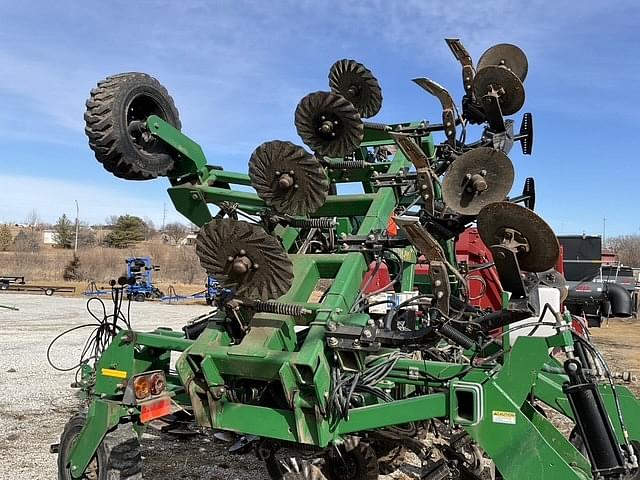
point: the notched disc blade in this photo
(244, 258)
(544, 249)
(329, 124)
(507, 55)
(477, 178)
(504, 81)
(356, 83)
(288, 178)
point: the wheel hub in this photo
(514, 240)
(328, 126)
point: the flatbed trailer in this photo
(48, 290)
(6, 280)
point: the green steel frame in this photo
(521, 441)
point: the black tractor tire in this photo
(114, 122)
(117, 458)
(359, 463)
(140, 297)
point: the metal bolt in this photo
(332, 341)
(370, 322)
(438, 283)
(331, 326)
(367, 334)
(194, 196)
(440, 294)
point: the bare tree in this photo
(151, 228)
(176, 231)
(33, 219)
(111, 220)
(627, 247)
(27, 240)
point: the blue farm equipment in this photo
(213, 289)
(141, 270)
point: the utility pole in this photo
(164, 215)
(75, 250)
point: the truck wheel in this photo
(115, 124)
(140, 297)
(117, 458)
(4, 286)
(49, 291)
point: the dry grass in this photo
(100, 264)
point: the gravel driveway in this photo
(36, 400)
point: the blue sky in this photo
(237, 69)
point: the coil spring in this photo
(312, 222)
(280, 308)
(456, 336)
(377, 126)
(348, 164)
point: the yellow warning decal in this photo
(507, 418)
(109, 372)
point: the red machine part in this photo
(485, 290)
(380, 280)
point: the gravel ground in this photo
(36, 401)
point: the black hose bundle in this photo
(345, 385)
(105, 327)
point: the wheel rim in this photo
(139, 109)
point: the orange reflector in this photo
(392, 228)
(155, 409)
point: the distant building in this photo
(189, 240)
(48, 237)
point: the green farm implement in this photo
(343, 331)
